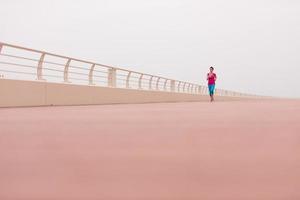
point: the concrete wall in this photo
(35, 93)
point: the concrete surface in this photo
(241, 150)
(20, 93)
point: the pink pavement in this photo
(239, 150)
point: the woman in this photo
(211, 78)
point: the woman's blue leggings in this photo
(211, 89)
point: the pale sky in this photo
(254, 45)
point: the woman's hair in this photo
(212, 68)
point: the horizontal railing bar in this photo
(99, 76)
(124, 75)
(19, 57)
(49, 62)
(121, 79)
(51, 75)
(20, 65)
(100, 81)
(103, 72)
(16, 72)
(136, 77)
(72, 78)
(48, 69)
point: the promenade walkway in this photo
(238, 150)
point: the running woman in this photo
(211, 78)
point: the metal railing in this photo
(23, 63)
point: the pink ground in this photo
(248, 150)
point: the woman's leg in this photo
(213, 92)
(210, 89)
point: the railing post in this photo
(172, 85)
(127, 80)
(178, 86)
(165, 85)
(140, 81)
(91, 73)
(40, 67)
(150, 83)
(183, 89)
(188, 89)
(111, 78)
(192, 89)
(157, 82)
(66, 71)
(1, 45)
